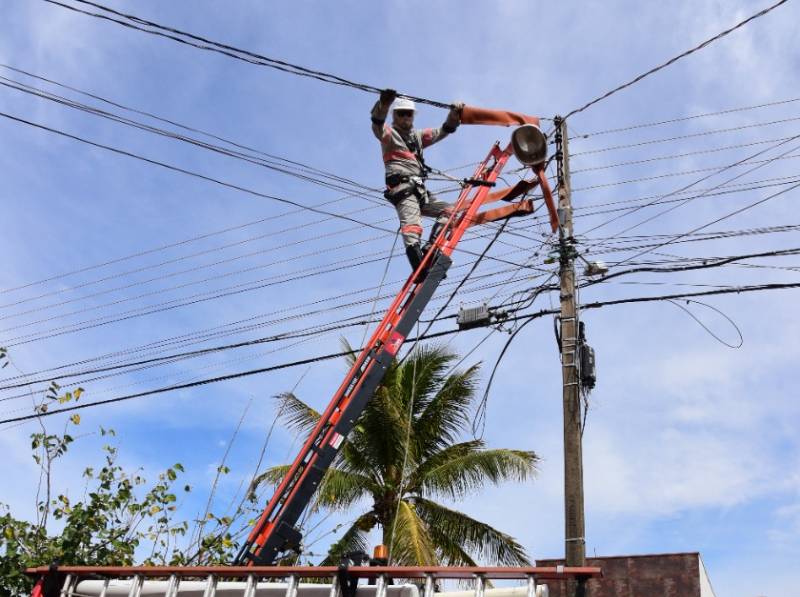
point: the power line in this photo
(609, 242)
(306, 334)
(743, 162)
(239, 375)
(702, 45)
(219, 331)
(725, 189)
(726, 216)
(186, 257)
(160, 291)
(303, 274)
(207, 336)
(684, 118)
(190, 39)
(705, 263)
(273, 248)
(732, 129)
(187, 172)
(182, 302)
(185, 127)
(714, 169)
(175, 357)
(322, 178)
(676, 156)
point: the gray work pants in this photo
(409, 213)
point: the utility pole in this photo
(574, 526)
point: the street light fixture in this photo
(530, 144)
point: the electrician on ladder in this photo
(401, 145)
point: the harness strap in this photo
(416, 148)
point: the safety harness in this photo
(416, 184)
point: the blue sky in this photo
(689, 446)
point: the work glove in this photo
(453, 117)
(381, 108)
(388, 96)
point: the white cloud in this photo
(680, 428)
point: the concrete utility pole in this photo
(575, 544)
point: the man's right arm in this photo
(380, 110)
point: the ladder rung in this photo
(172, 587)
(531, 586)
(334, 592)
(291, 586)
(480, 585)
(211, 586)
(252, 583)
(67, 589)
(428, 591)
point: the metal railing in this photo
(224, 581)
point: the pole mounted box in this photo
(473, 317)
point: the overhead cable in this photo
(724, 189)
(720, 169)
(188, 172)
(304, 334)
(688, 52)
(732, 129)
(304, 172)
(676, 156)
(715, 221)
(683, 118)
(190, 39)
(239, 375)
(185, 127)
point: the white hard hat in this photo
(402, 103)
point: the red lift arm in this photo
(275, 533)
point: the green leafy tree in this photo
(118, 520)
(404, 456)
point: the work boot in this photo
(415, 255)
(437, 228)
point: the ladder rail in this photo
(321, 447)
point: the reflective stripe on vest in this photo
(399, 155)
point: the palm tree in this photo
(402, 469)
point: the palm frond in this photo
(271, 476)
(446, 416)
(350, 359)
(379, 435)
(489, 544)
(298, 415)
(470, 470)
(423, 373)
(410, 544)
(449, 550)
(440, 459)
(341, 489)
(354, 539)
